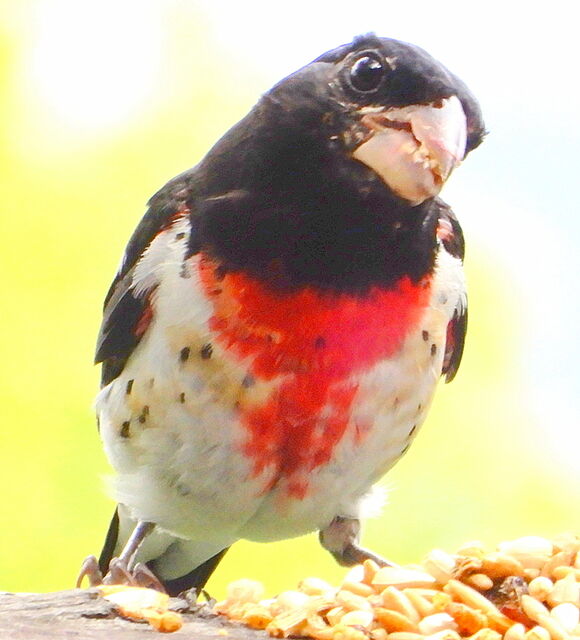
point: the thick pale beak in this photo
(414, 149)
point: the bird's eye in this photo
(367, 73)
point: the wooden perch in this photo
(82, 614)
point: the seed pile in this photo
(529, 589)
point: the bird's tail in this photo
(108, 550)
(195, 579)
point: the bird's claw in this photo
(119, 573)
(144, 577)
(90, 569)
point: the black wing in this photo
(124, 310)
(452, 239)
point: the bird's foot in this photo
(119, 573)
(123, 570)
(341, 539)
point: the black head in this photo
(394, 96)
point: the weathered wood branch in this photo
(83, 615)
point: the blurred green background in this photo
(102, 102)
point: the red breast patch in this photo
(315, 341)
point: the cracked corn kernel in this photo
(540, 587)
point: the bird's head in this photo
(386, 104)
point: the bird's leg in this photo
(341, 538)
(140, 532)
(123, 569)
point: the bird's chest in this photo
(273, 392)
(308, 359)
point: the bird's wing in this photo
(127, 309)
(451, 237)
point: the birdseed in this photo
(529, 589)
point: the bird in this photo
(283, 312)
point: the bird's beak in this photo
(414, 149)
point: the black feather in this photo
(110, 543)
(456, 332)
(195, 579)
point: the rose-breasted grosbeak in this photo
(274, 335)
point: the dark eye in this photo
(367, 73)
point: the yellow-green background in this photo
(102, 102)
